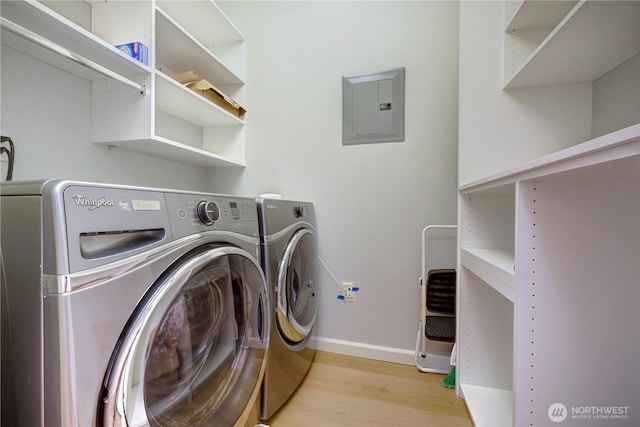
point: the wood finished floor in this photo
(348, 391)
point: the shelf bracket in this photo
(48, 44)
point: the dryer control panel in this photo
(277, 214)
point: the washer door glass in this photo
(194, 353)
(297, 294)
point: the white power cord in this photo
(335, 279)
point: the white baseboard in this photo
(367, 351)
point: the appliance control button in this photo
(298, 211)
(208, 212)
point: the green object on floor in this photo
(450, 380)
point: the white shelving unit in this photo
(549, 251)
(567, 41)
(563, 326)
(163, 119)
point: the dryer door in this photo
(194, 352)
(296, 291)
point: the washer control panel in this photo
(192, 213)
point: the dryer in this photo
(289, 260)
(130, 306)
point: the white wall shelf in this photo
(177, 48)
(575, 290)
(186, 104)
(166, 148)
(175, 122)
(204, 20)
(489, 406)
(494, 266)
(485, 337)
(591, 39)
(615, 145)
(527, 15)
(213, 32)
(63, 32)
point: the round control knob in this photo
(298, 211)
(208, 212)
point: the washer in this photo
(130, 306)
(289, 259)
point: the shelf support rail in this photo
(48, 44)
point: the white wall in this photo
(48, 115)
(372, 201)
(501, 129)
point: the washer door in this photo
(194, 352)
(296, 289)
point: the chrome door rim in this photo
(117, 388)
(287, 322)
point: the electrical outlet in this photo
(347, 291)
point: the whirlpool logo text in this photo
(81, 200)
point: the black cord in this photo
(10, 155)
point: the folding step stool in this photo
(437, 326)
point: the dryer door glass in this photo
(195, 351)
(297, 293)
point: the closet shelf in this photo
(490, 407)
(593, 38)
(172, 150)
(63, 53)
(204, 20)
(615, 145)
(527, 15)
(62, 32)
(178, 49)
(177, 100)
(495, 266)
